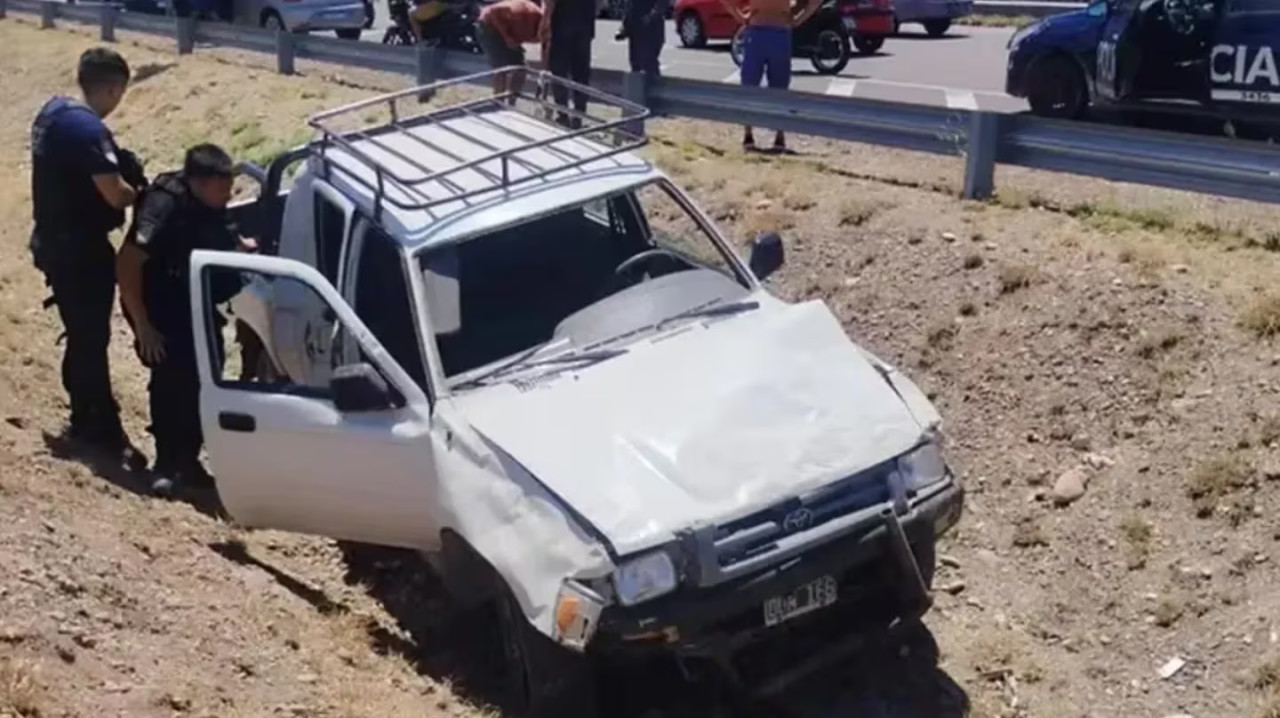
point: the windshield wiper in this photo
(715, 310)
(522, 361)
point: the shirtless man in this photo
(766, 48)
(503, 29)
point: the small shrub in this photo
(1137, 535)
(856, 213)
(20, 694)
(1016, 276)
(1213, 481)
(1263, 317)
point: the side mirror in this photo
(766, 255)
(359, 387)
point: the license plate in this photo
(804, 599)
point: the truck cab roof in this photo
(451, 172)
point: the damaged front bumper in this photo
(880, 567)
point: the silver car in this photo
(346, 18)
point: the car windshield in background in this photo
(494, 298)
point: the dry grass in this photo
(1214, 481)
(1262, 317)
(1137, 533)
(20, 693)
(1014, 277)
(856, 212)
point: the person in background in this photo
(503, 28)
(644, 26)
(177, 213)
(81, 183)
(766, 48)
(567, 30)
(423, 12)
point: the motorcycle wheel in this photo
(736, 47)
(394, 36)
(831, 51)
(868, 44)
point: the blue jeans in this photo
(766, 51)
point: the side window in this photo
(383, 302)
(271, 333)
(330, 223)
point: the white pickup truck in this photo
(523, 351)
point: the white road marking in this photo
(961, 100)
(842, 87)
(733, 79)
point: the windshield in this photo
(501, 297)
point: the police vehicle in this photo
(1212, 58)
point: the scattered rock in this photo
(65, 653)
(1070, 486)
(17, 422)
(1180, 268)
(1098, 462)
(953, 588)
(948, 561)
(85, 641)
(949, 236)
(308, 678)
(1081, 443)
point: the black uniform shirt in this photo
(170, 223)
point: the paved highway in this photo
(962, 70)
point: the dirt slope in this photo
(1073, 332)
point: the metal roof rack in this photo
(581, 138)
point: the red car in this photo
(698, 21)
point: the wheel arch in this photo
(1057, 53)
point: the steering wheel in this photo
(621, 275)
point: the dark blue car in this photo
(1198, 57)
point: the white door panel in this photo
(285, 457)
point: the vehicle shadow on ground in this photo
(894, 675)
(922, 35)
(204, 500)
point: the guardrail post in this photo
(635, 88)
(980, 161)
(47, 12)
(430, 60)
(286, 50)
(109, 14)
(186, 35)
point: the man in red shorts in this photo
(766, 48)
(502, 29)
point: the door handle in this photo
(235, 421)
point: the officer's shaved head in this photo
(207, 160)
(103, 76)
(210, 174)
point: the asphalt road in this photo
(962, 70)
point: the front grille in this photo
(758, 533)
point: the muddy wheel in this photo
(541, 679)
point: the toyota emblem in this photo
(797, 520)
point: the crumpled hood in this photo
(703, 425)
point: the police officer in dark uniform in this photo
(644, 27)
(177, 213)
(81, 183)
(567, 30)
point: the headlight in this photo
(644, 578)
(923, 467)
(1023, 34)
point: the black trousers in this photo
(644, 45)
(84, 289)
(174, 390)
(570, 58)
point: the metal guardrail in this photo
(1224, 167)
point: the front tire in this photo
(1057, 89)
(348, 33)
(736, 46)
(692, 33)
(837, 41)
(271, 20)
(937, 27)
(541, 679)
(868, 44)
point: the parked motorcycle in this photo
(454, 29)
(827, 39)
